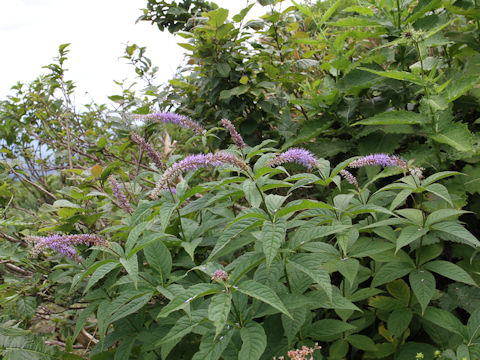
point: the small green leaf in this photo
(422, 283)
(273, 236)
(254, 341)
(446, 320)
(390, 272)
(398, 321)
(131, 265)
(394, 118)
(409, 234)
(324, 329)
(310, 267)
(99, 273)
(211, 349)
(159, 258)
(193, 292)
(361, 342)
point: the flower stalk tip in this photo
(119, 195)
(297, 155)
(172, 118)
(237, 138)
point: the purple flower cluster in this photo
(152, 154)
(220, 275)
(194, 162)
(64, 244)
(378, 159)
(297, 155)
(237, 138)
(118, 193)
(172, 118)
(347, 175)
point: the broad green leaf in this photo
(159, 258)
(218, 311)
(131, 265)
(82, 319)
(423, 285)
(398, 321)
(397, 75)
(308, 233)
(438, 176)
(390, 272)
(291, 327)
(400, 198)
(400, 291)
(459, 86)
(361, 342)
(442, 214)
(254, 341)
(193, 292)
(245, 263)
(414, 215)
(449, 270)
(273, 236)
(299, 205)
(457, 135)
(134, 235)
(409, 234)
(324, 329)
(446, 320)
(441, 191)
(473, 325)
(394, 118)
(183, 326)
(212, 349)
(236, 91)
(456, 232)
(166, 211)
(252, 194)
(310, 267)
(233, 231)
(349, 269)
(131, 307)
(262, 293)
(99, 273)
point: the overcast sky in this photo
(32, 30)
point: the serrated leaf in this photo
(398, 321)
(449, 270)
(273, 236)
(254, 341)
(409, 234)
(349, 269)
(218, 311)
(252, 194)
(390, 272)
(440, 191)
(211, 349)
(99, 273)
(442, 214)
(130, 307)
(456, 232)
(423, 286)
(473, 326)
(456, 135)
(183, 326)
(361, 342)
(310, 267)
(159, 258)
(291, 327)
(445, 320)
(397, 75)
(394, 118)
(193, 292)
(324, 329)
(131, 265)
(262, 293)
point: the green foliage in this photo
(251, 261)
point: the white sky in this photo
(98, 30)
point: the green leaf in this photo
(441, 191)
(398, 321)
(323, 330)
(99, 273)
(456, 135)
(218, 311)
(442, 214)
(459, 86)
(400, 291)
(262, 293)
(456, 232)
(473, 325)
(438, 176)
(449, 270)
(311, 267)
(423, 285)
(211, 349)
(394, 118)
(82, 319)
(233, 231)
(398, 75)
(446, 320)
(236, 91)
(183, 300)
(409, 234)
(298, 205)
(183, 326)
(254, 341)
(390, 272)
(159, 258)
(223, 69)
(273, 236)
(135, 234)
(252, 194)
(131, 265)
(166, 211)
(130, 307)
(291, 327)
(361, 342)
(349, 269)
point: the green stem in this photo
(399, 15)
(238, 313)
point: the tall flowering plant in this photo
(255, 253)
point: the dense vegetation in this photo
(340, 220)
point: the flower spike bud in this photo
(237, 138)
(172, 118)
(118, 193)
(379, 159)
(152, 154)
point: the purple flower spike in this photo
(378, 159)
(172, 118)
(220, 275)
(297, 155)
(347, 175)
(152, 154)
(237, 138)
(194, 162)
(64, 244)
(122, 199)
